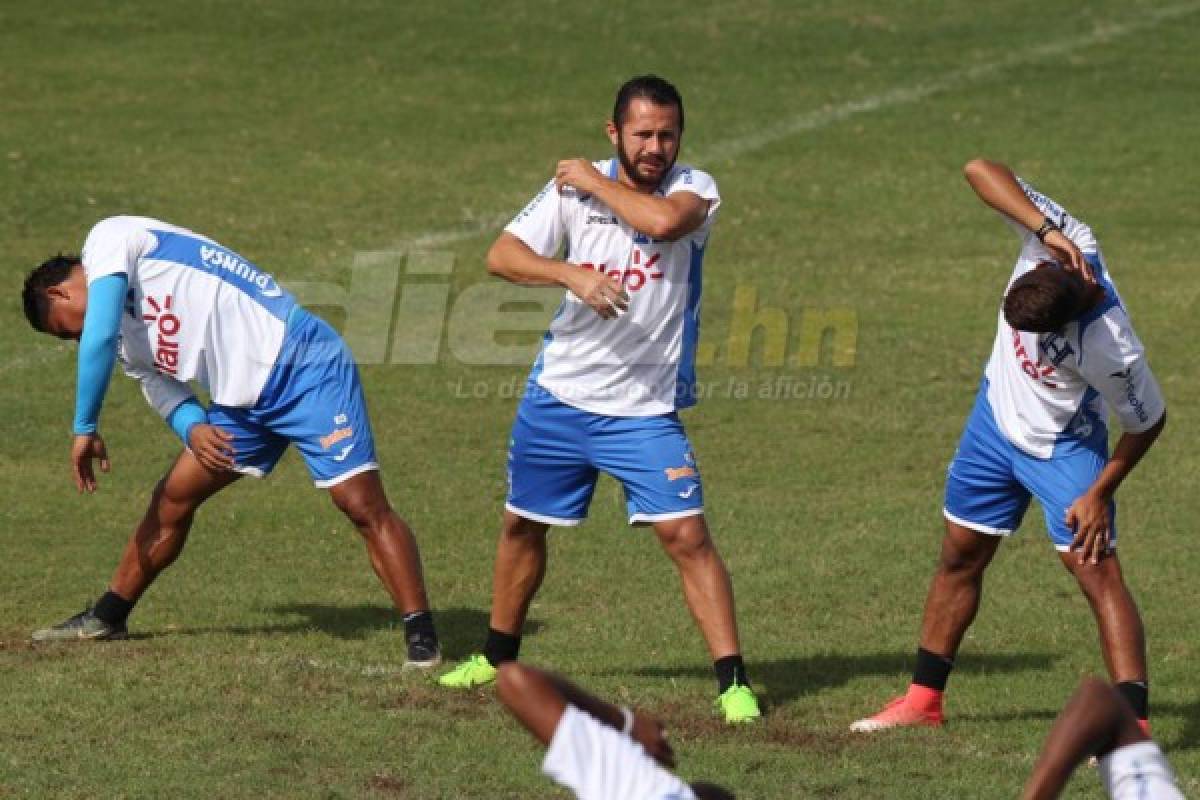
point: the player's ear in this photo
(614, 135)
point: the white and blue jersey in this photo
(642, 362)
(1039, 424)
(603, 394)
(198, 311)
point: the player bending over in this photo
(173, 307)
(1065, 354)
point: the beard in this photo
(631, 168)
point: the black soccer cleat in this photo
(84, 626)
(423, 652)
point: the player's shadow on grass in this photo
(787, 679)
(461, 630)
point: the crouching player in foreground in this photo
(1064, 348)
(174, 307)
(597, 750)
(1097, 721)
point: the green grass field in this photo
(301, 133)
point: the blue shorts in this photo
(990, 480)
(557, 452)
(312, 399)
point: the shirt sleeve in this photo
(98, 349)
(598, 762)
(1113, 362)
(1076, 231)
(701, 184)
(113, 247)
(164, 393)
(186, 416)
(540, 224)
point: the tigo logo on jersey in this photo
(167, 326)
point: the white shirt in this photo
(1138, 771)
(1050, 391)
(195, 311)
(597, 762)
(643, 362)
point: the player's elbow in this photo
(496, 261)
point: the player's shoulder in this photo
(683, 176)
(123, 225)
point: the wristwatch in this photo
(1047, 226)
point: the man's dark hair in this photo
(1043, 300)
(52, 272)
(648, 87)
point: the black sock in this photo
(112, 608)
(1137, 694)
(932, 670)
(501, 647)
(419, 623)
(730, 670)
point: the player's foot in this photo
(83, 626)
(899, 713)
(738, 704)
(475, 671)
(423, 653)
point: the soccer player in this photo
(597, 750)
(1065, 352)
(1098, 721)
(625, 237)
(173, 307)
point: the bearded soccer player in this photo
(174, 307)
(1065, 354)
(625, 237)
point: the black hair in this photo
(1043, 300)
(52, 272)
(649, 87)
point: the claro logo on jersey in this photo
(1131, 397)
(165, 341)
(1034, 369)
(223, 259)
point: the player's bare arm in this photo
(513, 260)
(997, 186)
(1089, 515)
(667, 218)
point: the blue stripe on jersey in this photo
(1111, 299)
(685, 380)
(540, 362)
(612, 168)
(190, 251)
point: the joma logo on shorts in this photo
(166, 328)
(338, 435)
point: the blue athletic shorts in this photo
(990, 481)
(557, 452)
(313, 399)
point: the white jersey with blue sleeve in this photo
(1050, 391)
(195, 310)
(598, 762)
(643, 362)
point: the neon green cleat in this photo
(738, 705)
(475, 671)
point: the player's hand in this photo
(1089, 517)
(579, 174)
(1067, 254)
(649, 732)
(84, 448)
(600, 291)
(212, 447)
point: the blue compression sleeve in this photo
(98, 348)
(186, 415)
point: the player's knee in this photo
(686, 541)
(364, 511)
(518, 530)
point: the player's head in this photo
(1045, 299)
(55, 297)
(646, 128)
(710, 791)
